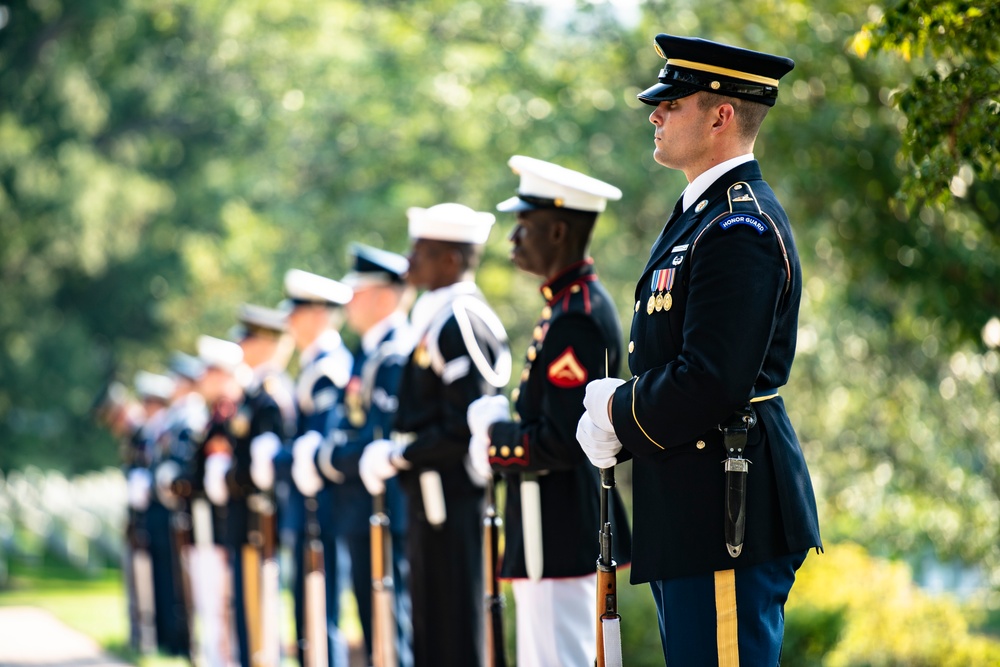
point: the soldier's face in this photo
(532, 242)
(680, 130)
(431, 264)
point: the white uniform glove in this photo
(263, 449)
(486, 411)
(595, 432)
(164, 478)
(304, 470)
(216, 467)
(376, 465)
(137, 485)
(479, 456)
(597, 401)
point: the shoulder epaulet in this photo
(744, 209)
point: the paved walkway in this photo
(30, 636)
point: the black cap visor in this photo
(664, 92)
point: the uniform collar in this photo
(701, 183)
(575, 273)
(378, 333)
(328, 340)
(431, 303)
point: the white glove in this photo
(304, 470)
(216, 467)
(599, 445)
(376, 465)
(597, 401)
(164, 478)
(137, 485)
(263, 449)
(479, 456)
(486, 411)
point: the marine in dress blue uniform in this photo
(461, 353)
(577, 338)
(366, 414)
(712, 341)
(325, 368)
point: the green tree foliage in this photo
(163, 160)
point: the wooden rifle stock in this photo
(383, 587)
(495, 655)
(261, 583)
(609, 641)
(180, 533)
(315, 650)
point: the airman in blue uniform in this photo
(724, 510)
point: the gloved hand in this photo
(599, 445)
(137, 485)
(479, 456)
(597, 401)
(304, 470)
(376, 465)
(263, 449)
(216, 467)
(486, 411)
(164, 478)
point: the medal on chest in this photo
(354, 402)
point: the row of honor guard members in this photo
(552, 510)
(376, 314)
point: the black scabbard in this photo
(734, 436)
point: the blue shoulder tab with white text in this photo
(743, 219)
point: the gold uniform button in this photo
(514, 394)
(574, 289)
(532, 353)
(538, 333)
(546, 311)
(547, 293)
(519, 451)
(631, 346)
(700, 444)
(637, 306)
(525, 374)
(505, 451)
(493, 450)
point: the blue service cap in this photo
(257, 320)
(695, 64)
(373, 266)
(185, 366)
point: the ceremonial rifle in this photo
(383, 589)
(315, 650)
(609, 638)
(609, 634)
(495, 656)
(268, 652)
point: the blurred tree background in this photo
(162, 161)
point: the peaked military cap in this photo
(257, 320)
(154, 386)
(547, 185)
(304, 288)
(218, 353)
(373, 266)
(450, 222)
(185, 366)
(695, 64)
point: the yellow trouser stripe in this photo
(725, 619)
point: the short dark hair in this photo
(469, 253)
(749, 115)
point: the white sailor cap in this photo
(154, 386)
(547, 185)
(450, 222)
(218, 353)
(302, 288)
(260, 321)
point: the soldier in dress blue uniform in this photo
(461, 353)
(550, 549)
(324, 370)
(376, 314)
(264, 414)
(712, 341)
